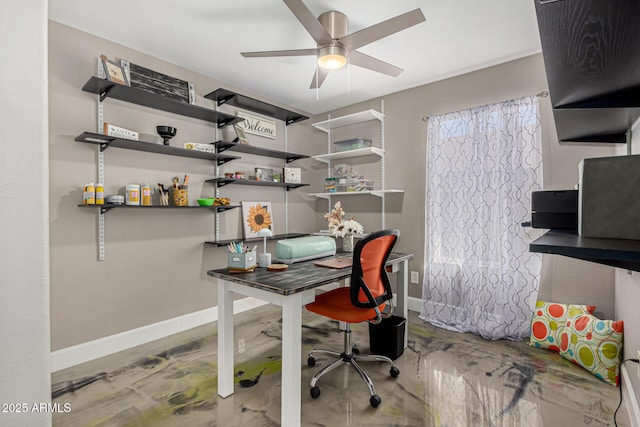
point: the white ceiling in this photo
(457, 37)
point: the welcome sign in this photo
(257, 125)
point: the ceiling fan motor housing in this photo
(336, 23)
(333, 56)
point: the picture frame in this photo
(293, 175)
(242, 136)
(113, 71)
(257, 125)
(256, 216)
(263, 174)
(159, 83)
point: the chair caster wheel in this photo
(394, 371)
(355, 350)
(315, 392)
(375, 400)
(311, 362)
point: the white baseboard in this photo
(414, 304)
(81, 353)
(629, 397)
(85, 352)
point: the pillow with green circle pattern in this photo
(594, 344)
(548, 318)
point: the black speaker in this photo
(555, 209)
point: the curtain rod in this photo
(542, 94)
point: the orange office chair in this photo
(365, 300)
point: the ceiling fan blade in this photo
(318, 77)
(383, 29)
(269, 53)
(371, 63)
(309, 21)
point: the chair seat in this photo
(336, 305)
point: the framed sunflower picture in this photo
(255, 217)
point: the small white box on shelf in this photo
(292, 175)
(118, 132)
(352, 144)
(196, 146)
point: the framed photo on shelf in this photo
(242, 137)
(293, 175)
(255, 217)
(113, 71)
(264, 174)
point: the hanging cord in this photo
(620, 404)
(348, 76)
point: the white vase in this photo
(347, 243)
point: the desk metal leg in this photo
(291, 360)
(225, 339)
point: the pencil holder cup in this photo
(264, 260)
(164, 199)
(180, 197)
(242, 261)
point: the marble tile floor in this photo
(446, 379)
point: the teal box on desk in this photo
(242, 261)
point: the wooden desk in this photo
(291, 290)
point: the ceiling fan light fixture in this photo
(332, 57)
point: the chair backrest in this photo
(368, 274)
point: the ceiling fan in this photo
(335, 46)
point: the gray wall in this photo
(24, 221)
(563, 279)
(156, 262)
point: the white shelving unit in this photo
(377, 193)
(326, 158)
(352, 119)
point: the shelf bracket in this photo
(227, 122)
(103, 146)
(105, 209)
(222, 149)
(222, 209)
(225, 99)
(105, 93)
(221, 162)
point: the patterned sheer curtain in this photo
(482, 165)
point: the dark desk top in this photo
(620, 253)
(298, 277)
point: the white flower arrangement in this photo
(340, 227)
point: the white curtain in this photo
(482, 165)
